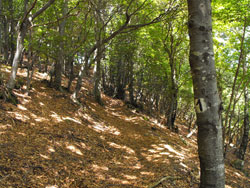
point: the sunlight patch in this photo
(130, 177)
(147, 173)
(131, 119)
(160, 149)
(169, 148)
(117, 146)
(41, 103)
(57, 118)
(152, 151)
(84, 146)
(5, 126)
(119, 181)
(137, 166)
(99, 127)
(97, 168)
(164, 153)
(51, 149)
(21, 107)
(74, 149)
(51, 186)
(72, 119)
(44, 156)
(37, 119)
(182, 164)
(237, 174)
(19, 116)
(23, 134)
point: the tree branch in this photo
(47, 5)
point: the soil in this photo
(48, 141)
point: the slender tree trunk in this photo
(6, 39)
(206, 96)
(245, 138)
(71, 73)
(82, 73)
(227, 128)
(22, 30)
(60, 58)
(131, 83)
(19, 48)
(1, 28)
(12, 32)
(172, 110)
(30, 72)
(97, 77)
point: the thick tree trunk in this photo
(206, 97)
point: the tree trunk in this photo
(71, 73)
(97, 77)
(22, 29)
(171, 114)
(6, 39)
(245, 138)
(206, 97)
(131, 83)
(30, 72)
(19, 48)
(1, 28)
(228, 127)
(60, 58)
(82, 73)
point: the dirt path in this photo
(47, 141)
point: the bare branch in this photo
(47, 5)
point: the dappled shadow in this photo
(48, 141)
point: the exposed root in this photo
(7, 95)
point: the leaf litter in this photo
(48, 141)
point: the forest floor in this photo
(47, 141)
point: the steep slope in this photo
(47, 141)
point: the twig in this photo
(163, 179)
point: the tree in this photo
(206, 96)
(23, 27)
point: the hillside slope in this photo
(47, 141)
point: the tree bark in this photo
(19, 48)
(82, 73)
(60, 58)
(228, 126)
(206, 96)
(97, 77)
(22, 30)
(245, 138)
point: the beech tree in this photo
(23, 27)
(206, 97)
